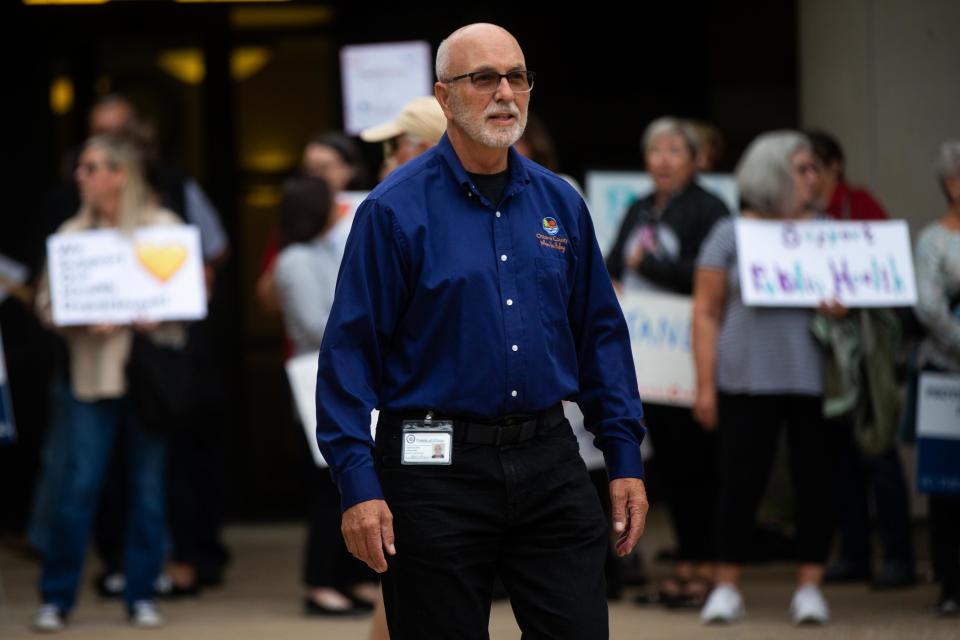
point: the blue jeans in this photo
(46, 495)
(87, 436)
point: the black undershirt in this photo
(491, 185)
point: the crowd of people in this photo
(150, 494)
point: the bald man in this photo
(472, 300)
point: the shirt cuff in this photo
(358, 485)
(623, 460)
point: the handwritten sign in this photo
(660, 337)
(610, 193)
(105, 276)
(938, 433)
(801, 264)
(302, 374)
(379, 79)
(8, 431)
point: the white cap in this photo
(421, 117)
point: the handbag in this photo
(162, 384)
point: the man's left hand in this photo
(628, 501)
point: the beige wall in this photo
(884, 77)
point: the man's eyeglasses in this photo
(520, 80)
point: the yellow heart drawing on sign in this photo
(161, 260)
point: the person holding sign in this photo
(472, 299)
(114, 195)
(306, 276)
(938, 308)
(656, 249)
(758, 368)
(879, 473)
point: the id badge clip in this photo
(427, 441)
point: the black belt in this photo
(508, 430)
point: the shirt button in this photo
(509, 302)
(514, 393)
(498, 214)
(514, 347)
(503, 258)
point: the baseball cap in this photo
(421, 117)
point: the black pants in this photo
(945, 540)
(194, 490)
(527, 512)
(882, 476)
(749, 433)
(686, 460)
(327, 563)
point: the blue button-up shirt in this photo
(447, 301)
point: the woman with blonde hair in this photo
(96, 406)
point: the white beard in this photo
(480, 131)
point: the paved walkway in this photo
(261, 599)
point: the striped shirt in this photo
(760, 350)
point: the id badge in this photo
(427, 442)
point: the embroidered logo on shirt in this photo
(550, 226)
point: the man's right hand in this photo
(368, 529)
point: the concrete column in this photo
(884, 77)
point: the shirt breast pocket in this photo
(553, 290)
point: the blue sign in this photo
(8, 432)
(938, 433)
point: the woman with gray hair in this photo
(938, 308)
(656, 250)
(759, 368)
(97, 404)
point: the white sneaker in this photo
(144, 614)
(724, 605)
(809, 606)
(48, 619)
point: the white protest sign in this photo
(302, 374)
(379, 79)
(801, 264)
(106, 276)
(609, 193)
(938, 406)
(660, 337)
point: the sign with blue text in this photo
(379, 79)
(938, 433)
(610, 193)
(660, 337)
(804, 263)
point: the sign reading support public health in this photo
(379, 79)
(801, 264)
(938, 433)
(8, 431)
(610, 193)
(302, 374)
(660, 338)
(106, 276)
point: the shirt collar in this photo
(516, 164)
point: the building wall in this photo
(884, 77)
